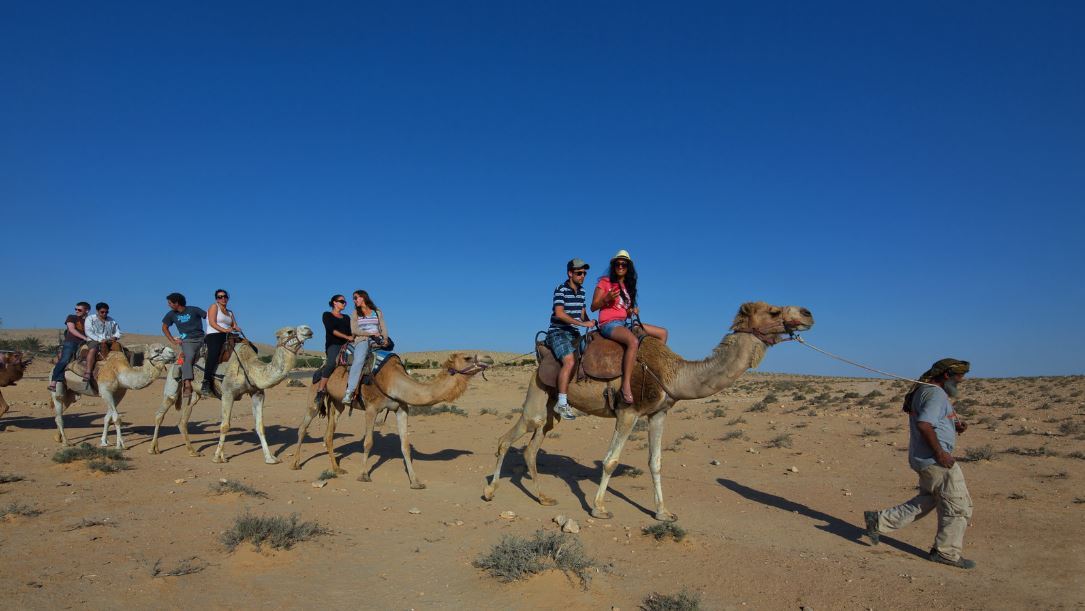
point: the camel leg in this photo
(258, 415)
(405, 449)
(168, 401)
(310, 413)
(224, 427)
(655, 462)
(531, 452)
(623, 426)
(329, 440)
(182, 425)
(61, 400)
(4, 407)
(536, 398)
(371, 411)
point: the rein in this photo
(796, 337)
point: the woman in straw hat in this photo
(615, 299)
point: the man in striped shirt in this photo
(567, 314)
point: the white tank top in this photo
(224, 318)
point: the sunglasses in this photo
(222, 296)
(103, 311)
(340, 301)
(579, 272)
(621, 264)
(80, 310)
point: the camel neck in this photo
(735, 354)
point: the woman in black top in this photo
(336, 334)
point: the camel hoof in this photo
(601, 514)
(295, 467)
(218, 459)
(418, 486)
(363, 478)
(103, 444)
(153, 450)
(271, 461)
(666, 516)
(488, 493)
(195, 454)
(545, 500)
(340, 471)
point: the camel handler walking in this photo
(933, 428)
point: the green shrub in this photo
(663, 530)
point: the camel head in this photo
(292, 338)
(468, 365)
(12, 366)
(157, 353)
(771, 323)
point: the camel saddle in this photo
(595, 357)
(78, 364)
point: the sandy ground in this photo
(761, 534)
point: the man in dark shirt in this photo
(566, 314)
(74, 336)
(189, 322)
(933, 429)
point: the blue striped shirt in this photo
(573, 303)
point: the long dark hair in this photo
(365, 297)
(630, 281)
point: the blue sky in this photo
(914, 174)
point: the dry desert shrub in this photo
(108, 466)
(683, 601)
(735, 434)
(487, 410)
(8, 478)
(188, 566)
(869, 432)
(663, 530)
(295, 384)
(90, 523)
(628, 471)
(276, 531)
(229, 486)
(984, 452)
(1040, 451)
(1072, 427)
(327, 474)
(433, 410)
(516, 558)
(19, 509)
(780, 441)
(85, 451)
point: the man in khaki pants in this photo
(933, 429)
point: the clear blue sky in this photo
(912, 173)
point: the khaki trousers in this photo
(942, 489)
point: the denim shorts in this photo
(561, 342)
(607, 328)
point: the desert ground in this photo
(769, 479)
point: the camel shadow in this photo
(569, 471)
(72, 420)
(385, 448)
(832, 524)
(317, 441)
(276, 435)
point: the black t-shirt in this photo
(331, 323)
(79, 326)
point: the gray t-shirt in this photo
(930, 404)
(189, 323)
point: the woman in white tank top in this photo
(220, 323)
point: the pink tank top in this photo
(617, 310)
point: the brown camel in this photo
(12, 367)
(392, 389)
(660, 379)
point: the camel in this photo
(242, 374)
(12, 367)
(392, 389)
(660, 379)
(115, 378)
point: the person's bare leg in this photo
(88, 374)
(630, 342)
(657, 332)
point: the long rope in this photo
(859, 365)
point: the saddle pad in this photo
(602, 358)
(549, 367)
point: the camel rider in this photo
(221, 321)
(566, 314)
(188, 321)
(368, 329)
(100, 329)
(933, 427)
(74, 336)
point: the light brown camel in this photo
(392, 389)
(668, 379)
(115, 378)
(12, 367)
(242, 374)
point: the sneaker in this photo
(871, 518)
(565, 412)
(961, 563)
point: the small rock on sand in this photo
(714, 462)
(320, 484)
(570, 526)
(508, 515)
(560, 519)
(414, 510)
(794, 469)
